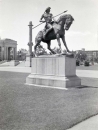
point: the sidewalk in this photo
(89, 124)
(88, 77)
(16, 69)
(19, 68)
(87, 73)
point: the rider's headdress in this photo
(47, 8)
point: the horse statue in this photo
(63, 23)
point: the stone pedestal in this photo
(28, 61)
(54, 72)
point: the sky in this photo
(16, 14)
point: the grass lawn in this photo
(24, 107)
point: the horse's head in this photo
(68, 21)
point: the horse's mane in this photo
(63, 17)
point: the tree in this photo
(21, 54)
(81, 55)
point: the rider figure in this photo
(47, 16)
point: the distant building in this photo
(8, 49)
(90, 54)
(93, 53)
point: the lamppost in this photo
(3, 50)
(30, 44)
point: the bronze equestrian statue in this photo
(54, 30)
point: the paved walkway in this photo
(87, 73)
(22, 68)
(19, 68)
(16, 69)
(90, 124)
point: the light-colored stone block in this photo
(28, 61)
(13, 62)
(54, 71)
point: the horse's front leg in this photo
(48, 46)
(58, 40)
(63, 39)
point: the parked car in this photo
(77, 63)
(86, 63)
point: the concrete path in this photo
(22, 64)
(19, 68)
(4, 64)
(16, 69)
(90, 124)
(87, 73)
(22, 68)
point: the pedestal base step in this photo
(53, 81)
